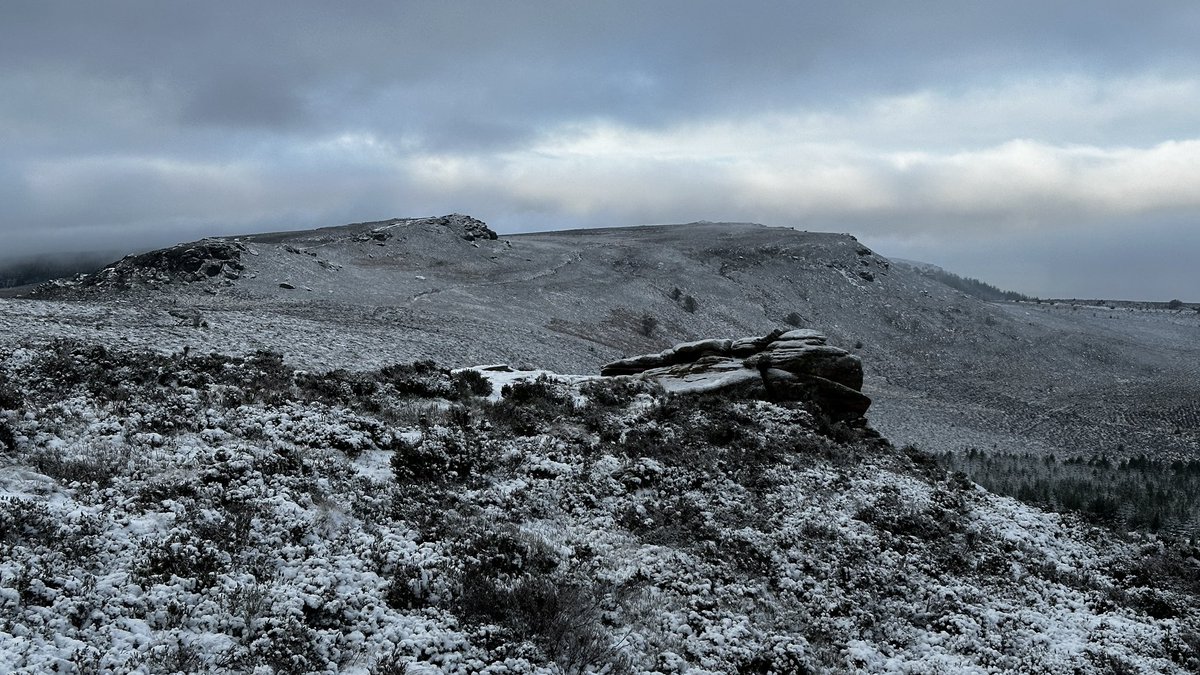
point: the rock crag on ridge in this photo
(467, 227)
(208, 259)
(796, 364)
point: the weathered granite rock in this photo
(685, 352)
(377, 235)
(794, 365)
(748, 346)
(803, 334)
(634, 365)
(691, 351)
(467, 227)
(701, 376)
(831, 363)
(197, 261)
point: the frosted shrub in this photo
(8, 440)
(97, 464)
(420, 378)
(10, 396)
(23, 520)
(528, 407)
(183, 556)
(614, 392)
(469, 383)
(516, 582)
(441, 454)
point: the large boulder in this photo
(794, 365)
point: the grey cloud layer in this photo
(152, 122)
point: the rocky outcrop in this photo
(796, 364)
(209, 259)
(466, 227)
(378, 235)
(380, 232)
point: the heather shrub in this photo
(178, 657)
(502, 551)
(23, 520)
(515, 582)
(184, 556)
(889, 512)
(442, 454)
(542, 390)
(675, 428)
(10, 396)
(528, 407)
(614, 392)
(336, 387)
(561, 618)
(8, 439)
(785, 658)
(669, 520)
(96, 465)
(285, 645)
(423, 379)
(469, 383)
(409, 588)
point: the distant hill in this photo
(948, 370)
(968, 285)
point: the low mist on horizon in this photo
(1048, 148)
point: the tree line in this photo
(1137, 493)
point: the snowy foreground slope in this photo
(208, 513)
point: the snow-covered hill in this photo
(947, 371)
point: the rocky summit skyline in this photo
(1050, 149)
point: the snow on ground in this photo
(164, 513)
(502, 375)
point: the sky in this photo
(1047, 147)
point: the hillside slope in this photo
(948, 371)
(184, 513)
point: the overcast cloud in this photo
(1053, 148)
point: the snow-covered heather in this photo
(164, 513)
(313, 339)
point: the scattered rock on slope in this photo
(796, 364)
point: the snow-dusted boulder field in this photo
(230, 513)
